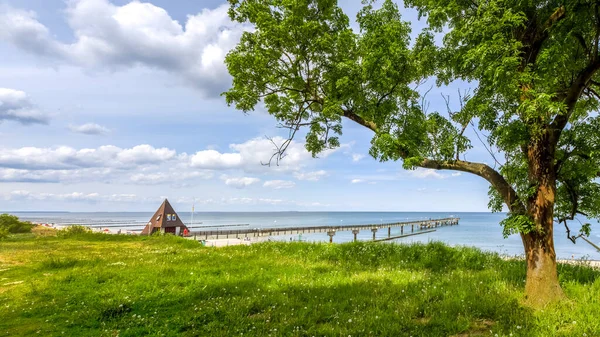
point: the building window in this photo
(168, 217)
(173, 217)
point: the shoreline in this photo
(581, 262)
(251, 240)
(233, 242)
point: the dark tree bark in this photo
(542, 286)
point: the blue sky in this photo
(114, 105)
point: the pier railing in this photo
(330, 230)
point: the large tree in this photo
(533, 71)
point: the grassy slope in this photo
(101, 285)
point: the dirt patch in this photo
(478, 328)
(43, 231)
(5, 262)
(422, 320)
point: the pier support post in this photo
(331, 234)
(390, 231)
(412, 228)
(401, 230)
(355, 232)
(374, 230)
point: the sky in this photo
(115, 105)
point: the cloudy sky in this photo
(114, 105)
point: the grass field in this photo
(108, 285)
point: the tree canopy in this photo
(532, 65)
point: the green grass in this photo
(103, 285)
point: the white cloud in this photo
(175, 176)
(108, 36)
(241, 182)
(270, 201)
(456, 174)
(279, 184)
(64, 157)
(149, 200)
(89, 129)
(258, 151)
(426, 173)
(310, 176)
(357, 181)
(147, 165)
(74, 196)
(145, 154)
(356, 157)
(253, 201)
(55, 176)
(14, 175)
(15, 105)
(211, 159)
(252, 155)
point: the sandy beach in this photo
(587, 263)
(232, 242)
(580, 262)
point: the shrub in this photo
(12, 224)
(73, 230)
(3, 233)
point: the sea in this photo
(481, 230)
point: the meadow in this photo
(107, 285)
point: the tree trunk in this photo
(542, 285)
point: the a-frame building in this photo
(165, 220)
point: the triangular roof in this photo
(164, 218)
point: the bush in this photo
(3, 233)
(12, 224)
(73, 230)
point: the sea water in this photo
(481, 230)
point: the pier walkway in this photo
(330, 230)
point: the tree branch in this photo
(581, 41)
(356, 118)
(536, 39)
(492, 176)
(592, 92)
(572, 96)
(569, 236)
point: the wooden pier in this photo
(330, 230)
